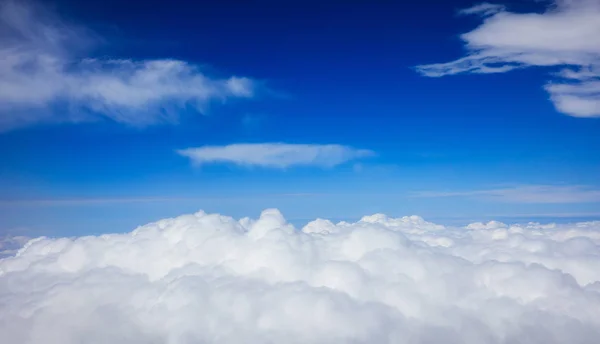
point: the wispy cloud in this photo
(483, 9)
(93, 201)
(565, 35)
(9, 245)
(275, 155)
(548, 215)
(90, 201)
(46, 76)
(527, 194)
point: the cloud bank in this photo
(46, 76)
(207, 278)
(275, 155)
(565, 35)
(527, 194)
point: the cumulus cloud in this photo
(206, 278)
(275, 155)
(565, 35)
(527, 194)
(46, 76)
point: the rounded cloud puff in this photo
(207, 278)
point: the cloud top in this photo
(565, 36)
(211, 278)
(275, 155)
(46, 76)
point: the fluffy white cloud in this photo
(565, 35)
(277, 155)
(527, 194)
(207, 278)
(46, 77)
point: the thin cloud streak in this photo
(124, 200)
(526, 194)
(275, 155)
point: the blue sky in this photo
(316, 108)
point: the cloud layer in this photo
(565, 35)
(207, 278)
(275, 155)
(528, 194)
(45, 76)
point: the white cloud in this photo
(208, 278)
(46, 77)
(565, 35)
(276, 155)
(528, 194)
(484, 9)
(9, 245)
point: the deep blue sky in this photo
(332, 73)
